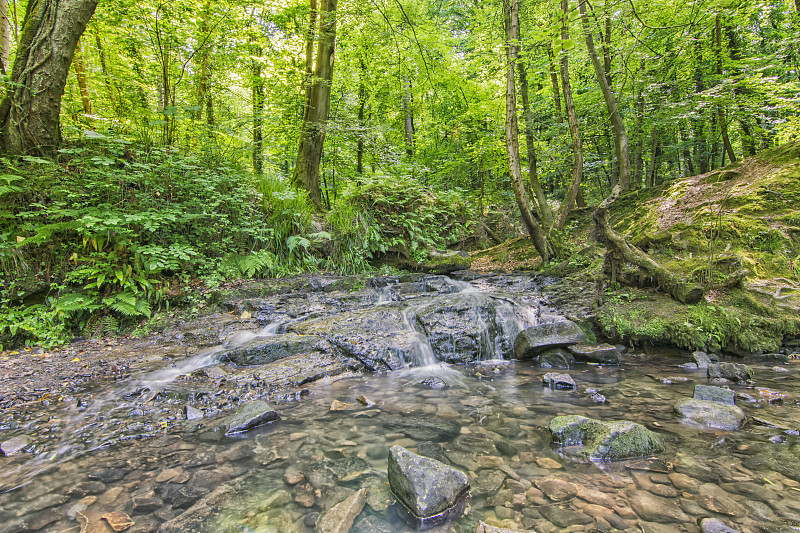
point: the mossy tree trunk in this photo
(30, 112)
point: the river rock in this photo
(254, 414)
(605, 440)
(731, 371)
(710, 414)
(701, 359)
(483, 527)
(118, 520)
(558, 381)
(536, 339)
(556, 358)
(421, 428)
(714, 394)
(192, 413)
(425, 487)
(557, 489)
(596, 353)
(14, 445)
(715, 525)
(340, 517)
(265, 350)
(655, 508)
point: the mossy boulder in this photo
(731, 371)
(605, 441)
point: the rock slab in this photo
(713, 415)
(424, 486)
(714, 394)
(14, 445)
(610, 441)
(254, 414)
(536, 339)
(731, 371)
(558, 381)
(340, 517)
(596, 353)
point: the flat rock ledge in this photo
(713, 415)
(429, 492)
(605, 441)
(252, 415)
(539, 338)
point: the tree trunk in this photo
(511, 8)
(362, 104)
(203, 71)
(5, 37)
(257, 97)
(639, 158)
(541, 199)
(572, 118)
(409, 117)
(312, 135)
(83, 82)
(311, 39)
(723, 119)
(655, 153)
(554, 82)
(30, 112)
(109, 83)
(617, 125)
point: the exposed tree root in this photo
(620, 251)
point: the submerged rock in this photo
(557, 358)
(340, 517)
(599, 440)
(536, 339)
(599, 353)
(715, 525)
(702, 359)
(14, 445)
(710, 414)
(732, 371)
(714, 394)
(558, 381)
(427, 489)
(254, 414)
(486, 528)
(268, 349)
(422, 428)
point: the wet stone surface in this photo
(126, 448)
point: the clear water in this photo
(499, 410)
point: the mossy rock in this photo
(605, 441)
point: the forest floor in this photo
(702, 228)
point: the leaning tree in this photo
(29, 114)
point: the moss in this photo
(605, 440)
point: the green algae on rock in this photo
(605, 441)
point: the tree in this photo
(572, 119)
(30, 113)
(511, 8)
(317, 103)
(618, 127)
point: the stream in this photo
(427, 364)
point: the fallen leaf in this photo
(246, 315)
(76, 360)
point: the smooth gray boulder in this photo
(610, 441)
(555, 380)
(428, 490)
(714, 394)
(536, 339)
(254, 414)
(702, 359)
(731, 371)
(596, 353)
(557, 358)
(268, 349)
(710, 414)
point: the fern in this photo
(110, 325)
(127, 304)
(261, 263)
(73, 303)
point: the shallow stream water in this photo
(490, 422)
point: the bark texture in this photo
(312, 136)
(603, 79)
(572, 119)
(30, 112)
(511, 8)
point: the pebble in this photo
(557, 489)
